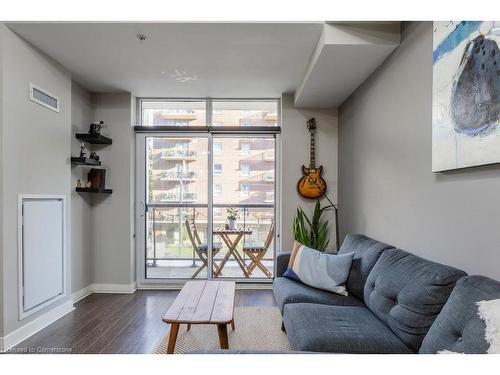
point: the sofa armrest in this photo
(282, 263)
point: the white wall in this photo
(387, 189)
(295, 153)
(112, 215)
(81, 210)
(35, 153)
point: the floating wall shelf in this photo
(93, 190)
(95, 139)
(84, 161)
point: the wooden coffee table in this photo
(202, 302)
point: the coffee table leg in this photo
(172, 338)
(222, 331)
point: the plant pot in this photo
(233, 224)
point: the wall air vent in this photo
(43, 97)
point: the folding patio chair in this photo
(201, 249)
(256, 251)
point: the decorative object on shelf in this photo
(311, 185)
(88, 184)
(465, 94)
(232, 218)
(78, 183)
(82, 151)
(94, 156)
(96, 128)
(97, 178)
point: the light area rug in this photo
(257, 328)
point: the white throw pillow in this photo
(489, 311)
(319, 270)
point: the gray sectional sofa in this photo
(397, 303)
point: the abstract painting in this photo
(465, 94)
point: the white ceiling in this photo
(322, 63)
(226, 60)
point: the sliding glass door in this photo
(206, 199)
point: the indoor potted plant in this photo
(232, 218)
(311, 232)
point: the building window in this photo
(173, 112)
(244, 190)
(217, 169)
(245, 170)
(217, 191)
(245, 112)
(245, 149)
(217, 148)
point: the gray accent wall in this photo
(295, 153)
(113, 215)
(81, 204)
(386, 187)
(35, 154)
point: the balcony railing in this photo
(257, 177)
(178, 154)
(176, 197)
(178, 176)
(170, 246)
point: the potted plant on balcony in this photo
(232, 218)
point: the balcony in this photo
(268, 155)
(187, 155)
(171, 245)
(256, 178)
(178, 176)
(269, 197)
(176, 197)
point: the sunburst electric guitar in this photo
(312, 185)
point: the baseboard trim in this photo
(82, 293)
(21, 334)
(114, 288)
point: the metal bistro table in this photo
(232, 243)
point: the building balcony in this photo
(176, 197)
(257, 178)
(187, 155)
(269, 197)
(268, 155)
(178, 176)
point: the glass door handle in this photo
(143, 209)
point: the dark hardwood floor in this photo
(119, 323)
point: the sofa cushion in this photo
(366, 253)
(290, 291)
(407, 293)
(320, 270)
(458, 327)
(339, 329)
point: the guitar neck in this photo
(312, 161)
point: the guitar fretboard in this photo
(312, 162)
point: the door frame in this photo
(140, 204)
